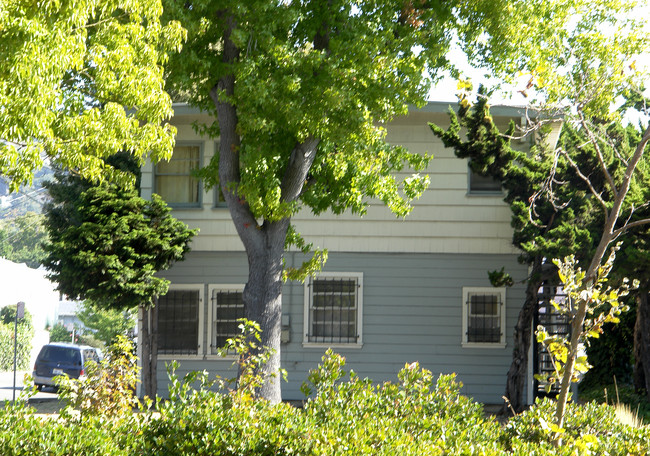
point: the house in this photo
(393, 290)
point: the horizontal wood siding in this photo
(445, 220)
(412, 307)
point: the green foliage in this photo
(8, 337)
(603, 306)
(108, 388)
(343, 415)
(589, 429)
(21, 239)
(107, 244)
(59, 333)
(106, 325)
(612, 354)
(8, 315)
(96, 67)
(550, 221)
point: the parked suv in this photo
(62, 359)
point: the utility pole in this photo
(20, 313)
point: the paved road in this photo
(7, 387)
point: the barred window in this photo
(484, 316)
(173, 179)
(178, 322)
(226, 307)
(334, 309)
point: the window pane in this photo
(333, 310)
(485, 184)
(484, 320)
(178, 322)
(173, 180)
(227, 308)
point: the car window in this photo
(61, 355)
(91, 355)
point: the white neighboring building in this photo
(21, 283)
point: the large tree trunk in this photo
(264, 244)
(642, 343)
(263, 301)
(518, 372)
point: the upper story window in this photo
(482, 184)
(173, 179)
(484, 317)
(333, 304)
(179, 320)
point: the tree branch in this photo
(230, 141)
(586, 181)
(599, 154)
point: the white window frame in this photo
(501, 292)
(212, 317)
(199, 343)
(307, 310)
(156, 174)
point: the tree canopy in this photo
(300, 92)
(81, 81)
(106, 243)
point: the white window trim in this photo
(199, 343)
(502, 315)
(307, 299)
(211, 288)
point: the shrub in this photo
(59, 333)
(24, 342)
(108, 388)
(412, 417)
(589, 428)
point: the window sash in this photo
(173, 179)
(483, 316)
(227, 308)
(482, 184)
(333, 310)
(178, 322)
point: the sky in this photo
(446, 90)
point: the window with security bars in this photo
(173, 179)
(334, 309)
(483, 316)
(178, 322)
(227, 306)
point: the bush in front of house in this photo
(344, 415)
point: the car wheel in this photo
(40, 387)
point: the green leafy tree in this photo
(21, 239)
(593, 70)
(300, 91)
(106, 244)
(81, 81)
(543, 227)
(107, 324)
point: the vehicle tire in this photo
(40, 387)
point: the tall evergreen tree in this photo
(544, 228)
(554, 212)
(107, 244)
